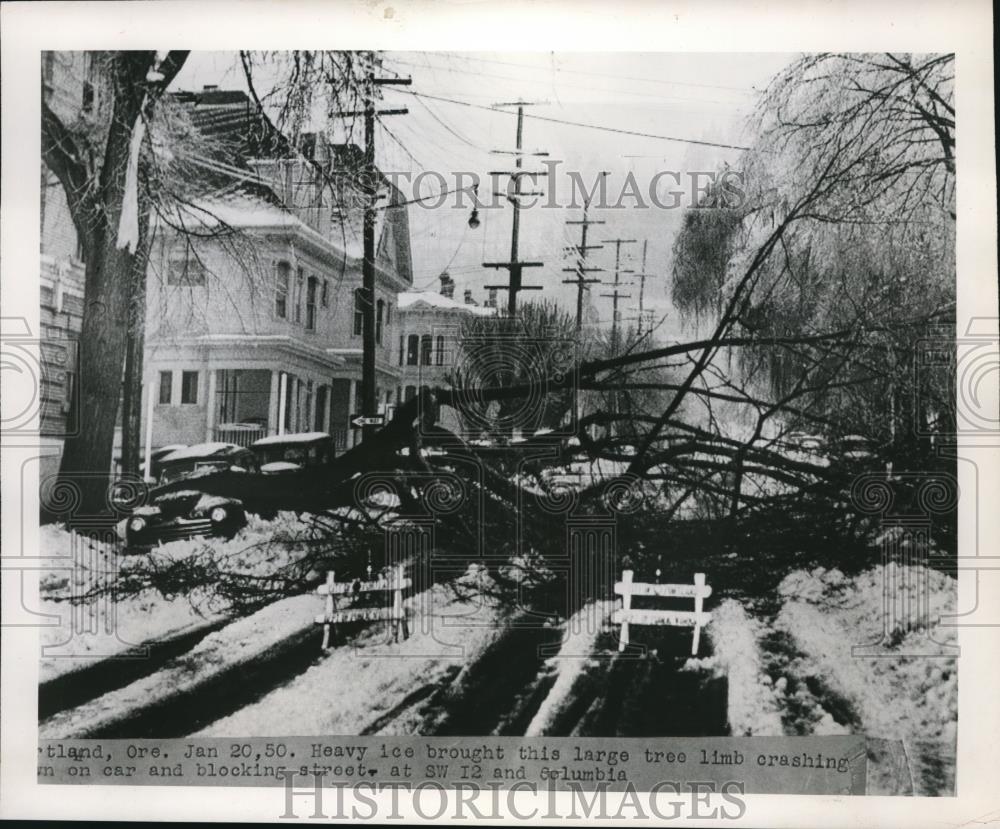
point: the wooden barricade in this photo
(395, 613)
(626, 615)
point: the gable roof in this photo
(317, 186)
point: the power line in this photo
(546, 82)
(740, 89)
(454, 132)
(601, 127)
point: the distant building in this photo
(429, 346)
(256, 327)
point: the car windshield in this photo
(294, 453)
(178, 471)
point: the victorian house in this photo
(254, 324)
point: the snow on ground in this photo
(580, 641)
(239, 642)
(796, 673)
(364, 680)
(753, 707)
(260, 548)
(906, 694)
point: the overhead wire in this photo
(601, 127)
(743, 90)
(547, 82)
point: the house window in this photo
(166, 383)
(281, 291)
(311, 303)
(359, 317)
(439, 356)
(411, 392)
(412, 346)
(426, 346)
(183, 268)
(324, 296)
(379, 313)
(300, 279)
(189, 387)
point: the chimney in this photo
(447, 285)
(491, 301)
(468, 297)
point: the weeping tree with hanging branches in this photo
(876, 245)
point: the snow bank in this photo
(753, 709)
(219, 652)
(907, 694)
(582, 631)
(260, 549)
(363, 685)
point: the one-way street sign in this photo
(359, 421)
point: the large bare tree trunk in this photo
(132, 380)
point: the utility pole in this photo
(515, 266)
(581, 282)
(615, 295)
(642, 286)
(369, 187)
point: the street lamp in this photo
(474, 216)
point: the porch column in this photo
(211, 404)
(296, 391)
(273, 405)
(311, 414)
(328, 414)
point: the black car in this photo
(155, 458)
(188, 512)
(286, 453)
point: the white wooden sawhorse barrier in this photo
(626, 615)
(395, 613)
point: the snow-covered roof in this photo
(432, 299)
(199, 450)
(294, 437)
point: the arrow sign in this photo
(360, 421)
